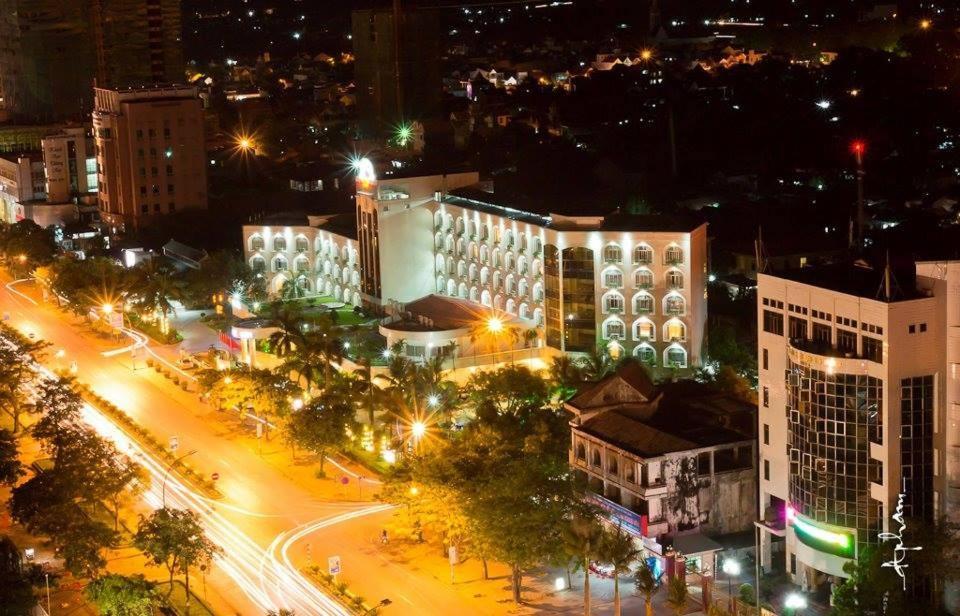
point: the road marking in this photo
(10, 288)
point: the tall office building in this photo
(857, 367)
(46, 64)
(397, 66)
(150, 153)
(137, 42)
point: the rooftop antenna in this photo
(759, 252)
(889, 284)
(858, 148)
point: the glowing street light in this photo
(824, 104)
(494, 325)
(925, 24)
(732, 569)
(646, 54)
(403, 133)
(418, 429)
(414, 490)
(794, 602)
(107, 308)
(433, 399)
(22, 258)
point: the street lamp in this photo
(433, 399)
(418, 429)
(107, 308)
(795, 602)
(925, 24)
(732, 569)
(494, 325)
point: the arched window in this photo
(462, 291)
(511, 286)
(646, 354)
(497, 279)
(438, 241)
(538, 316)
(674, 279)
(498, 302)
(535, 268)
(613, 302)
(581, 452)
(461, 247)
(597, 460)
(485, 276)
(256, 243)
(612, 465)
(674, 331)
(451, 288)
(614, 329)
(612, 253)
(675, 357)
(511, 306)
(302, 244)
(612, 278)
(485, 298)
(484, 254)
(441, 284)
(537, 292)
(474, 294)
(496, 257)
(438, 220)
(280, 264)
(674, 305)
(440, 264)
(474, 251)
(461, 268)
(460, 226)
(524, 311)
(448, 245)
(450, 266)
(473, 272)
(508, 238)
(522, 288)
(643, 279)
(643, 303)
(279, 243)
(642, 255)
(508, 260)
(302, 265)
(484, 232)
(258, 264)
(644, 329)
(674, 255)
(522, 265)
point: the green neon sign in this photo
(838, 543)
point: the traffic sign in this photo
(452, 554)
(333, 565)
(215, 476)
(344, 480)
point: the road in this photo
(268, 515)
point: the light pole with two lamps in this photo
(731, 568)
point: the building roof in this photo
(440, 313)
(858, 279)
(626, 410)
(187, 255)
(695, 543)
(565, 215)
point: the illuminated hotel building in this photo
(854, 376)
(631, 284)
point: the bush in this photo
(746, 593)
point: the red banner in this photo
(229, 341)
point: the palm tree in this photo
(678, 595)
(582, 541)
(566, 375)
(620, 551)
(646, 584)
(596, 365)
(154, 287)
(14, 372)
(290, 329)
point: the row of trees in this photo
(75, 496)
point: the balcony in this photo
(674, 311)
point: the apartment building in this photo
(854, 373)
(150, 153)
(303, 255)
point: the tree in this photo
(566, 376)
(582, 543)
(619, 550)
(153, 287)
(175, 539)
(509, 390)
(10, 468)
(15, 369)
(321, 425)
(678, 595)
(647, 585)
(25, 245)
(871, 588)
(81, 543)
(119, 476)
(121, 595)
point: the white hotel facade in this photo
(631, 284)
(859, 402)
